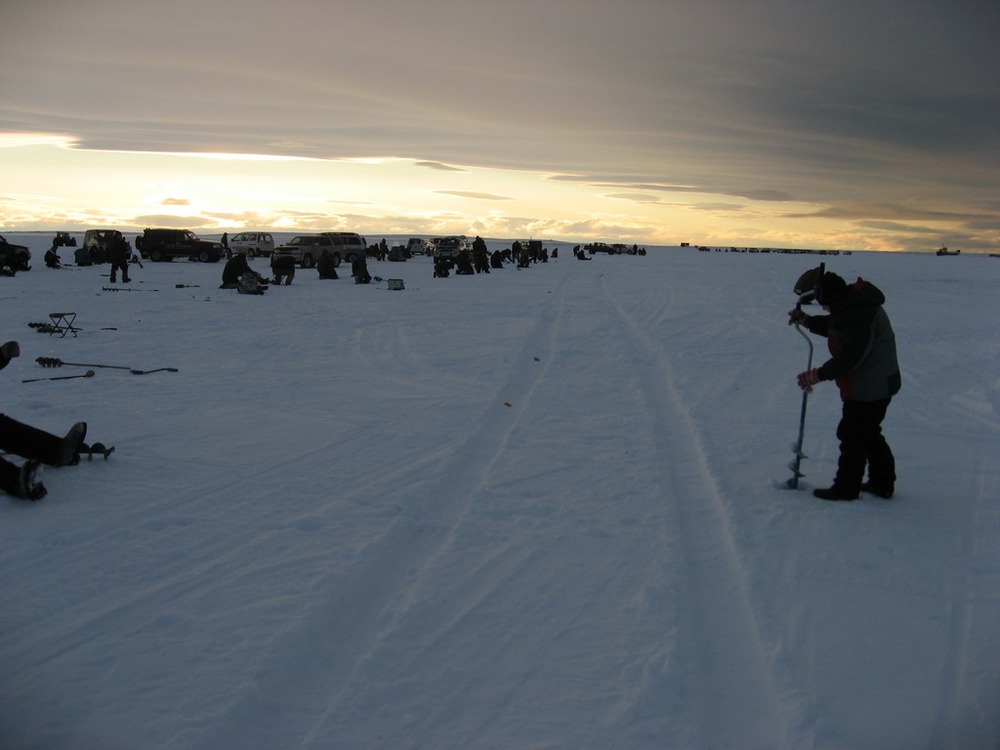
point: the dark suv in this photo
(167, 244)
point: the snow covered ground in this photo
(530, 509)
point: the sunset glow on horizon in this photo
(827, 135)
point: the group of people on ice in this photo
(481, 260)
(117, 251)
(237, 273)
(860, 338)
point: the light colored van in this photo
(252, 243)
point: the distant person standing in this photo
(863, 363)
(119, 252)
(480, 255)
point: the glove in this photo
(808, 379)
(797, 316)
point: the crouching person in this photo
(359, 270)
(282, 269)
(238, 275)
(326, 266)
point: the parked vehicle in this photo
(167, 244)
(97, 242)
(306, 249)
(252, 243)
(449, 247)
(416, 246)
(63, 239)
(346, 245)
(17, 257)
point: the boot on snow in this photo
(69, 450)
(29, 486)
(835, 493)
(879, 491)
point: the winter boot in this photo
(22, 481)
(69, 450)
(29, 485)
(835, 493)
(879, 491)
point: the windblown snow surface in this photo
(530, 509)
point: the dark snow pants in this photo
(29, 442)
(862, 444)
(119, 265)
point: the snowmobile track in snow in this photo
(353, 610)
(733, 662)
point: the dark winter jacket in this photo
(235, 267)
(862, 345)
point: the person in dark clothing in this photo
(480, 255)
(463, 264)
(283, 269)
(52, 258)
(325, 266)
(359, 270)
(442, 268)
(863, 363)
(38, 446)
(82, 257)
(238, 275)
(496, 259)
(119, 252)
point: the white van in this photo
(252, 243)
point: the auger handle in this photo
(56, 362)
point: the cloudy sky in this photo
(854, 124)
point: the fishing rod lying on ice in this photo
(87, 374)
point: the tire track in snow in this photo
(956, 662)
(314, 663)
(727, 661)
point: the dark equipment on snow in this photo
(805, 297)
(99, 449)
(56, 362)
(87, 374)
